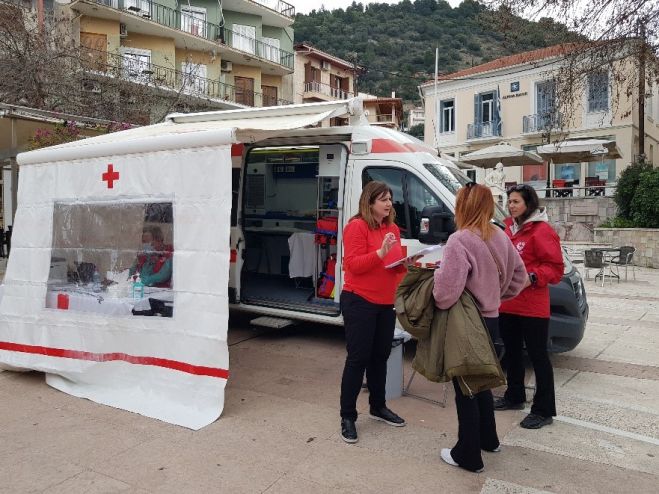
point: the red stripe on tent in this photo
(237, 149)
(197, 370)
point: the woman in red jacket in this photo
(525, 319)
(371, 240)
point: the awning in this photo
(578, 150)
(198, 130)
(502, 153)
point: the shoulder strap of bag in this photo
(499, 270)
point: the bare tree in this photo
(618, 49)
(43, 67)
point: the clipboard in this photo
(422, 252)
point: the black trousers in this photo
(369, 330)
(532, 331)
(477, 428)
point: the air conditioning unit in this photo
(324, 64)
(226, 66)
(123, 30)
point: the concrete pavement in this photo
(279, 432)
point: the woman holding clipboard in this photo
(371, 241)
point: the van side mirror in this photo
(436, 225)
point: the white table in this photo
(85, 300)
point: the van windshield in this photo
(453, 179)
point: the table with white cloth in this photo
(84, 299)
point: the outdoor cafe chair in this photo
(626, 259)
(594, 259)
(594, 186)
(560, 187)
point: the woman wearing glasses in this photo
(478, 257)
(525, 319)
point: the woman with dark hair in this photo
(371, 240)
(525, 319)
(477, 257)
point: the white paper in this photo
(420, 253)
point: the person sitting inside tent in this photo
(154, 262)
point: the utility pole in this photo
(355, 72)
(641, 91)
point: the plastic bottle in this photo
(138, 288)
(96, 281)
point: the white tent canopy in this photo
(578, 150)
(83, 207)
(500, 153)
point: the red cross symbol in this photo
(110, 176)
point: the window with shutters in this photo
(487, 120)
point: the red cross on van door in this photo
(110, 176)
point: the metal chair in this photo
(626, 259)
(594, 259)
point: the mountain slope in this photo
(396, 43)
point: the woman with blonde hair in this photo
(478, 257)
(371, 241)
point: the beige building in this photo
(385, 112)
(229, 54)
(513, 99)
(320, 76)
(416, 116)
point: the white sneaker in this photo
(445, 454)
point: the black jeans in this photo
(477, 428)
(369, 330)
(515, 331)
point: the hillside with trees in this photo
(396, 43)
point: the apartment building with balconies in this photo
(320, 76)
(514, 99)
(224, 55)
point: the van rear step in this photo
(271, 322)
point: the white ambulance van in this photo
(294, 193)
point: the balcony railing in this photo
(284, 8)
(192, 24)
(385, 118)
(540, 122)
(484, 129)
(326, 89)
(143, 72)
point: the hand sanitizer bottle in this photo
(138, 288)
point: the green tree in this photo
(628, 184)
(645, 204)
(417, 131)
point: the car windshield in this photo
(453, 179)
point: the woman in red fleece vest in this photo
(525, 319)
(371, 240)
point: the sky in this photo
(306, 6)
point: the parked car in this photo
(569, 309)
